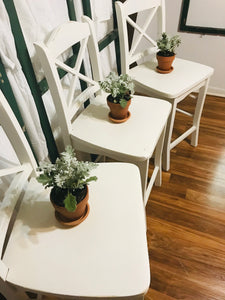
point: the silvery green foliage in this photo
(67, 173)
(167, 45)
(120, 87)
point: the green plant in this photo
(119, 87)
(167, 45)
(66, 174)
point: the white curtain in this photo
(20, 87)
(102, 17)
(37, 20)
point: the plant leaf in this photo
(92, 178)
(123, 103)
(70, 202)
(43, 179)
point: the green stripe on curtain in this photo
(26, 64)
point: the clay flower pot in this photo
(69, 218)
(165, 63)
(118, 114)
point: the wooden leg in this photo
(157, 172)
(143, 167)
(158, 158)
(198, 112)
(168, 136)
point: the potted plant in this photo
(120, 88)
(166, 53)
(69, 180)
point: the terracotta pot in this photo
(117, 112)
(165, 63)
(68, 217)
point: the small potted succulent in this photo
(69, 180)
(166, 53)
(120, 88)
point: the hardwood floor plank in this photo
(213, 202)
(198, 204)
(179, 287)
(193, 271)
(155, 295)
(184, 243)
(204, 185)
(184, 218)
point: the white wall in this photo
(206, 49)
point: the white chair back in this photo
(69, 103)
(152, 8)
(20, 173)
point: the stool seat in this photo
(185, 76)
(104, 256)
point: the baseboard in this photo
(216, 91)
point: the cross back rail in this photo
(142, 31)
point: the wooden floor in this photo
(186, 215)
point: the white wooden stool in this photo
(106, 256)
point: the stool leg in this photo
(156, 176)
(143, 167)
(198, 113)
(158, 158)
(168, 136)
